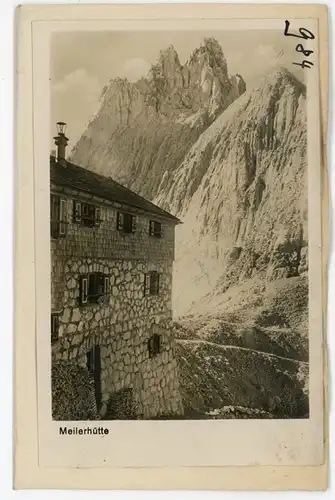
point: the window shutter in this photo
(83, 290)
(85, 210)
(120, 221)
(76, 211)
(133, 223)
(162, 231)
(151, 228)
(158, 343)
(62, 218)
(154, 282)
(91, 215)
(54, 327)
(152, 347)
(106, 285)
(147, 284)
(97, 216)
(54, 323)
(151, 282)
(157, 283)
(54, 215)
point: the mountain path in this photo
(185, 341)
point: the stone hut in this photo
(112, 254)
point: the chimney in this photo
(61, 142)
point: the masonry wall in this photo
(108, 242)
(123, 326)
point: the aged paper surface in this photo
(165, 402)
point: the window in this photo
(154, 345)
(86, 214)
(58, 223)
(151, 283)
(155, 229)
(126, 223)
(92, 287)
(54, 327)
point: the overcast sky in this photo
(83, 62)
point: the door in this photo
(94, 367)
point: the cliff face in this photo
(241, 192)
(146, 128)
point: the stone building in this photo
(112, 254)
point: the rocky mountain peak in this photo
(211, 51)
(169, 55)
(152, 123)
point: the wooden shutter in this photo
(133, 223)
(85, 210)
(76, 211)
(97, 375)
(162, 231)
(90, 362)
(154, 282)
(54, 215)
(83, 289)
(62, 217)
(106, 285)
(97, 216)
(151, 228)
(150, 347)
(157, 343)
(54, 323)
(120, 221)
(91, 211)
(54, 327)
(147, 284)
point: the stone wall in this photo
(122, 325)
(122, 328)
(106, 241)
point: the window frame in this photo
(152, 283)
(58, 216)
(91, 297)
(154, 345)
(130, 225)
(155, 229)
(86, 214)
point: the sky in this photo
(82, 63)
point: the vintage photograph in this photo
(178, 226)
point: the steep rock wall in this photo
(241, 192)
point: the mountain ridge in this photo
(149, 125)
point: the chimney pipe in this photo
(61, 142)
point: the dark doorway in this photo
(94, 367)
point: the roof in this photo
(73, 176)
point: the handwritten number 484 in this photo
(306, 35)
